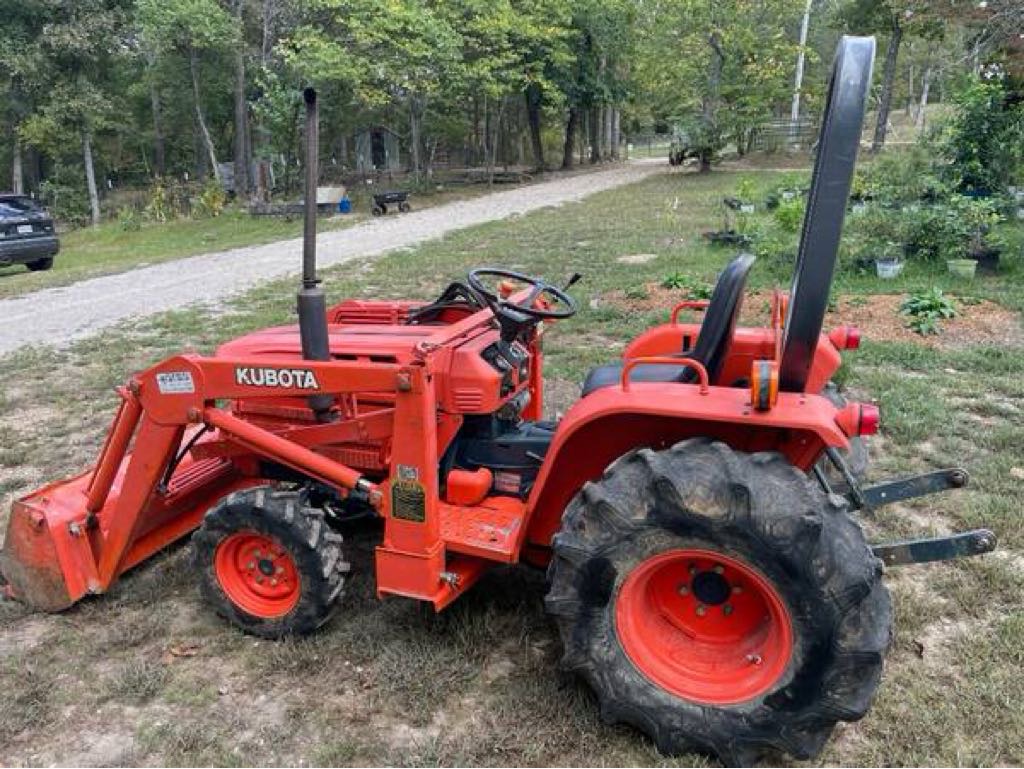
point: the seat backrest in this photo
(716, 332)
(838, 141)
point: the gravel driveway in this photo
(58, 315)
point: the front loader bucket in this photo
(30, 563)
(56, 552)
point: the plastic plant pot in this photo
(962, 268)
(887, 269)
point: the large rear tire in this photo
(719, 602)
(269, 562)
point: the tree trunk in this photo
(159, 153)
(414, 136)
(606, 133)
(17, 176)
(90, 178)
(595, 134)
(616, 116)
(241, 114)
(709, 106)
(570, 137)
(888, 76)
(533, 102)
(193, 61)
(926, 82)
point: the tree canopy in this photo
(102, 94)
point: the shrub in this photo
(211, 201)
(695, 289)
(984, 140)
(789, 214)
(926, 309)
(66, 200)
(159, 208)
(129, 219)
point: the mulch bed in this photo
(877, 316)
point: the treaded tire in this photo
(755, 508)
(301, 530)
(856, 458)
(39, 265)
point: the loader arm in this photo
(75, 537)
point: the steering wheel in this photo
(526, 306)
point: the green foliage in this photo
(159, 208)
(64, 196)
(211, 201)
(695, 288)
(789, 214)
(638, 291)
(927, 309)
(903, 176)
(129, 219)
(984, 140)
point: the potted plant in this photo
(978, 218)
(888, 264)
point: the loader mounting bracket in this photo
(913, 551)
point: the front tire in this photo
(648, 560)
(269, 563)
(40, 265)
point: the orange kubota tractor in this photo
(694, 509)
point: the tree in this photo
(75, 56)
(190, 28)
(716, 69)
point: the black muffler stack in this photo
(312, 304)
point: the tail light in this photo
(870, 418)
(845, 337)
(858, 419)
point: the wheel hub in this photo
(706, 627)
(710, 588)
(257, 574)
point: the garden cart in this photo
(708, 579)
(381, 201)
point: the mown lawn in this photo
(148, 675)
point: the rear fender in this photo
(748, 345)
(610, 422)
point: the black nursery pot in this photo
(987, 259)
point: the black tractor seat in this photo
(713, 342)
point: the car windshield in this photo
(15, 205)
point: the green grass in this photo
(392, 683)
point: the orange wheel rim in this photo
(257, 574)
(705, 627)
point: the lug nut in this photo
(727, 609)
(280, 569)
(736, 590)
(683, 590)
(251, 565)
(273, 583)
(701, 610)
(693, 569)
(719, 569)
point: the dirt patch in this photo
(877, 316)
(879, 319)
(636, 258)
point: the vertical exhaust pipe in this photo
(312, 304)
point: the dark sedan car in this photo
(27, 235)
